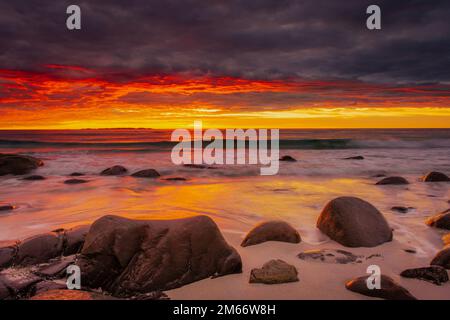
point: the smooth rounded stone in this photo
(175, 179)
(6, 207)
(8, 251)
(60, 294)
(330, 256)
(271, 231)
(441, 220)
(442, 258)
(34, 178)
(435, 177)
(288, 158)
(354, 158)
(392, 181)
(39, 249)
(274, 272)
(114, 171)
(148, 173)
(128, 257)
(389, 290)
(75, 181)
(18, 164)
(401, 209)
(76, 174)
(354, 222)
(434, 274)
(446, 239)
(74, 239)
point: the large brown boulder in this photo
(274, 272)
(354, 222)
(435, 177)
(442, 258)
(8, 251)
(74, 239)
(389, 289)
(441, 220)
(271, 231)
(17, 164)
(40, 248)
(128, 257)
(114, 171)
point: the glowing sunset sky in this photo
(164, 64)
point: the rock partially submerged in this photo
(128, 257)
(114, 171)
(393, 181)
(435, 176)
(271, 231)
(34, 178)
(442, 258)
(76, 174)
(288, 158)
(354, 158)
(330, 256)
(274, 272)
(175, 179)
(389, 290)
(401, 209)
(6, 207)
(75, 181)
(434, 274)
(148, 173)
(354, 222)
(441, 220)
(18, 164)
(198, 166)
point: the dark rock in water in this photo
(330, 256)
(433, 274)
(7, 253)
(271, 231)
(15, 283)
(413, 251)
(441, 220)
(70, 295)
(446, 239)
(6, 207)
(401, 209)
(442, 258)
(76, 174)
(17, 164)
(176, 179)
(435, 177)
(48, 285)
(198, 166)
(288, 159)
(128, 257)
(355, 158)
(274, 272)
(354, 222)
(379, 175)
(56, 268)
(75, 181)
(40, 248)
(114, 171)
(389, 290)
(149, 173)
(34, 178)
(74, 239)
(392, 181)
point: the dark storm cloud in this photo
(253, 39)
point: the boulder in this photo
(34, 178)
(18, 164)
(128, 257)
(433, 274)
(392, 181)
(15, 283)
(76, 174)
(288, 158)
(274, 272)
(354, 222)
(330, 256)
(176, 179)
(7, 253)
(389, 290)
(75, 181)
(114, 171)
(401, 209)
(355, 158)
(60, 294)
(442, 258)
(435, 177)
(74, 239)
(271, 231)
(149, 173)
(6, 207)
(39, 249)
(441, 220)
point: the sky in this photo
(234, 63)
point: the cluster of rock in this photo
(433, 176)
